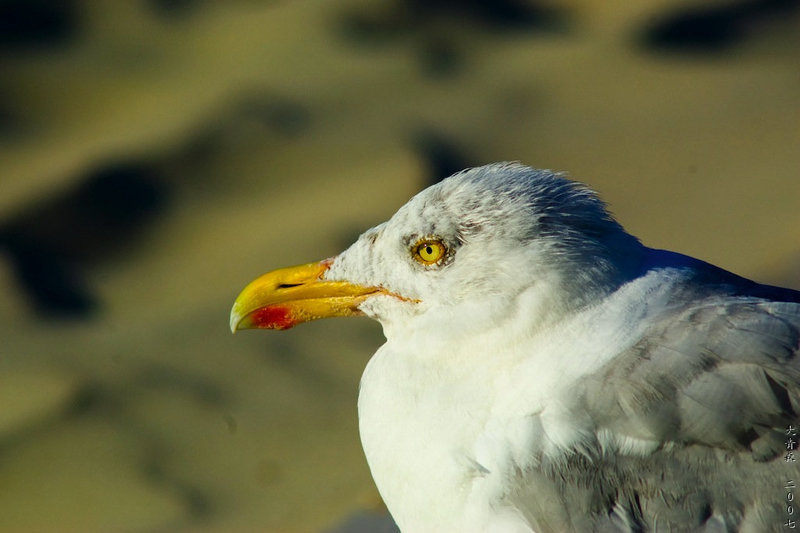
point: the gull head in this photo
(478, 240)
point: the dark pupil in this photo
(429, 250)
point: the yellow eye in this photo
(429, 251)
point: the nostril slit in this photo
(288, 285)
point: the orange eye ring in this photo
(429, 251)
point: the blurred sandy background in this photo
(156, 155)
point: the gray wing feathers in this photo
(725, 374)
(714, 385)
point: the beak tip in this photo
(235, 320)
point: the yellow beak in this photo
(286, 297)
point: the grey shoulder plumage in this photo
(714, 383)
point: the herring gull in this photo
(544, 371)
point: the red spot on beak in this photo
(273, 317)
